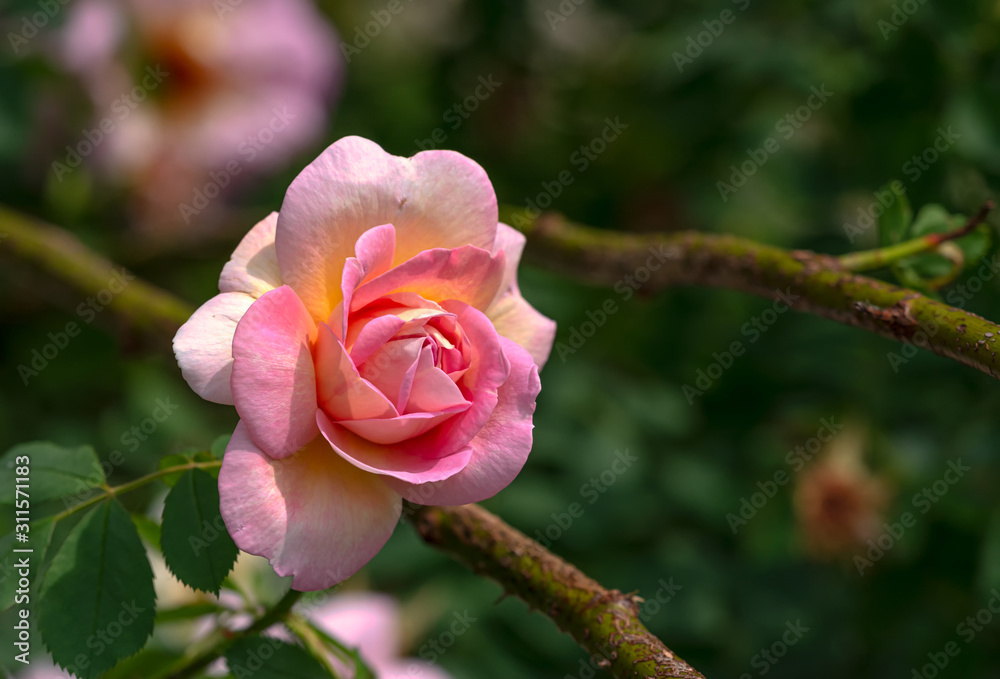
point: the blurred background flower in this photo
(838, 501)
(191, 98)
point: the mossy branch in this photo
(63, 256)
(604, 622)
(816, 283)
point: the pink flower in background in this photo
(376, 346)
(370, 623)
(188, 87)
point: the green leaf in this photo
(269, 658)
(219, 445)
(361, 670)
(933, 218)
(196, 544)
(45, 538)
(53, 471)
(148, 529)
(208, 457)
(97, 601)
(921, 271)
(173, 461)
(976, 245)
(894, 224)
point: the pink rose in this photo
(193, 87)
(376, 346)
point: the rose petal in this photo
(375, 250)
(488, 369)
(314, 516)
(511, 242)
(438, 199)
(432, 390)
(466, 274)
(517, 320)
(500, 449)
(514, 317)
(374, 256)
(341, 391)
(392, 367)
(253, 266)
(401, 428)
(204, 345)
(274, 381)
(393, 460)
(372, 335)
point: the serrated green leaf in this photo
(45, 539)
(269, 658)
(195, 542)
(146, 664)
(219, 445)
(169, 461)
(54, 472)
(97, 600)
(894, 224)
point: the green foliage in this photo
(97, 602)
(894, 224)
(268, 658)
(55, 472)
(218, 448)
(196, 545)
(169, 461)
(930, 271)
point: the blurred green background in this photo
(666, 515)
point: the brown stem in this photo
(807, 281)
(604, 622)
(66, 258)
(976, 220)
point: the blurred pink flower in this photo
(187, 88)
(376, 346)
(371, 623)
(43, 669)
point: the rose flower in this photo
(376, 346)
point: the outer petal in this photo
(511, 242)
(314, 516)
(437, 199)
(204, 345)
(513, 317)
(394, 460)
(499, 450)
(253, 267)
(517, 320)
(274, 381)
